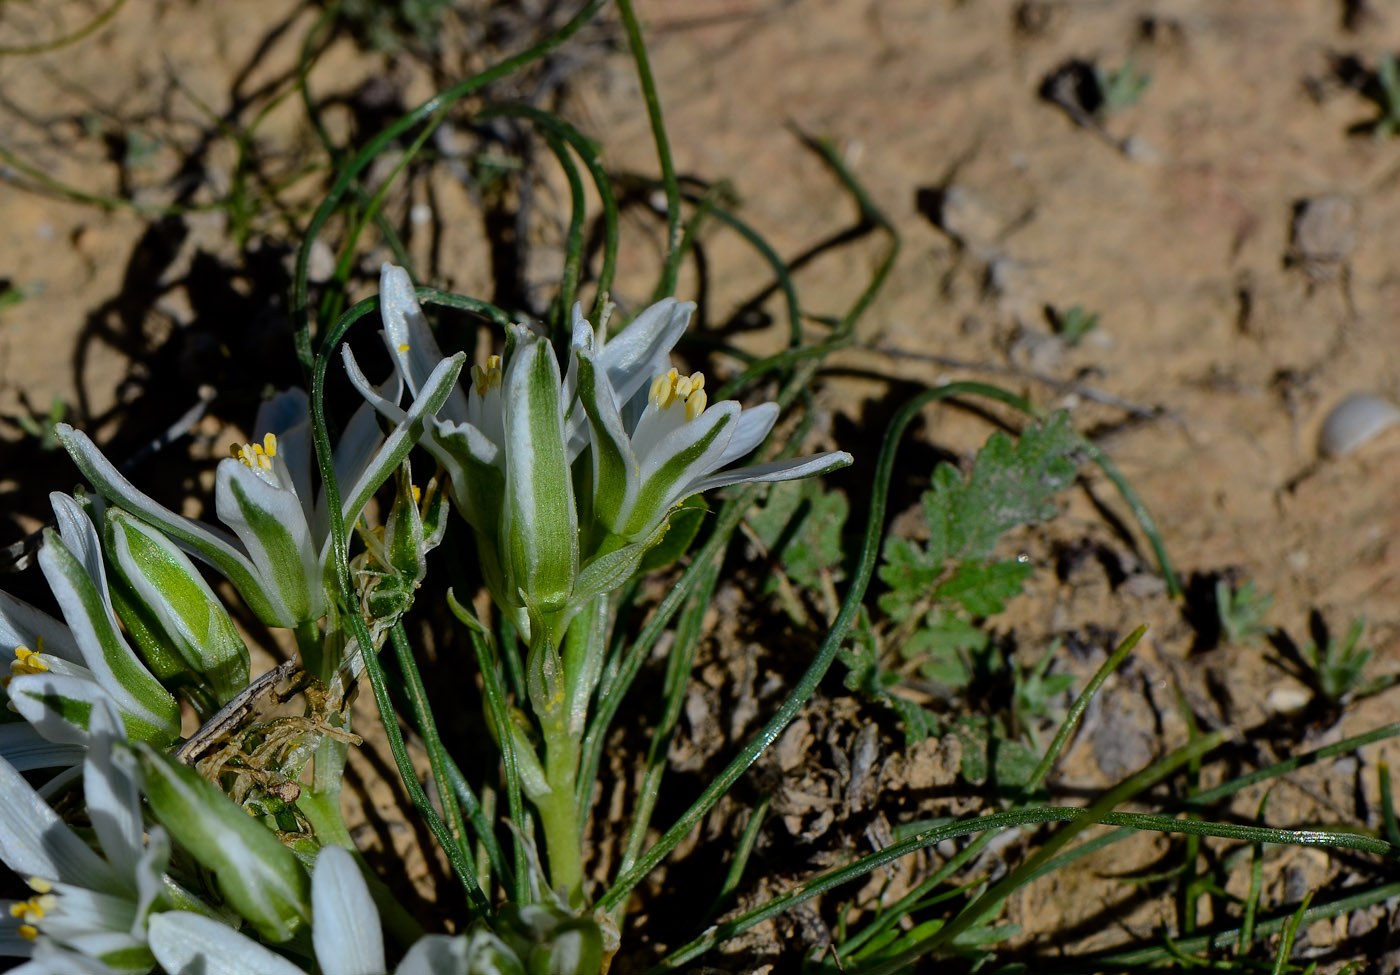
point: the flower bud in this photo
(175, 619)
(258, 877)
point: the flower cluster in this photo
(549, 540)
(567, 474)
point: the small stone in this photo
(1355, 420)
(1288, 700)
(321, 265)
(1324, 230)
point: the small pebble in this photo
(1324, 230)
(1353, 421)
(1288, 700)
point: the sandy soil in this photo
(1235, 229)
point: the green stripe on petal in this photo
(258, 876)
(540, 523)
(615, 467)
(113, 664)
(187, 617)
(271, 524)
(212, 546)
(684, 455)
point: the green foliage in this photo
(800, 525)
(42, 427)
(864, 676)
(1035, 688)
(940, 589)
(1242, 612)
(1386, 95)
(1121, 87)
(991, 753)
(1073, 324)
(1337, 671)
(11, 295)
(387, 26)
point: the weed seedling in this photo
(1336, 670)
(1120, 87)
(1072, 325)
(1242, 612)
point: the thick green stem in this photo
(311, 647)
(559, 816)
(549, 684)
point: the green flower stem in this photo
(559, 808)
(559, 815)
(309, 647)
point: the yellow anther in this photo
(690, 390)
(32, 911)
(404, 347)
(256, 455)
(27, 662)
(488, 378)
(417, 493)
(39, 885)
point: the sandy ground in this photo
(1235, 229)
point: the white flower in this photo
(345, 933)
(277, 555)
(82, 902)
(509, 446)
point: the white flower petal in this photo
(87, 608)
(42, 699)
(50, 959)
(23, 747)
(754, 424)
(630, 356)
(34, 842)
(111, 789)
(77, 531)
(186, 944)
(21, 625)
(438, 954)
(409, 338)
(344, 923)
(271, 524)
(287, 416)
(387, 407)
(776, 470)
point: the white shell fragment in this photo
(1354, 421)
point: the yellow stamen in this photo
(404, 347)
(690, 390)
(254, 455)
(417, 493)
(32, 911)
(27, 662)
(488, 378)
